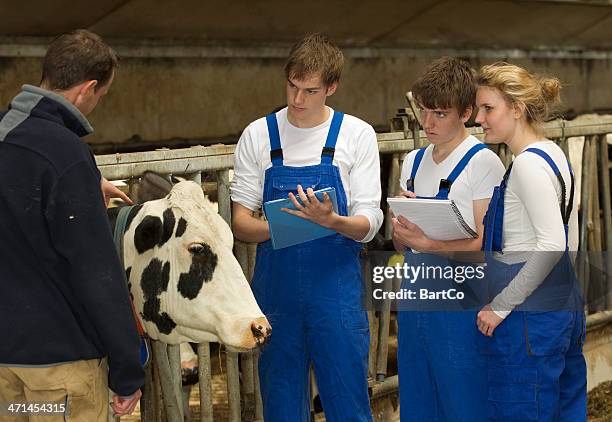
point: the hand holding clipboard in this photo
(288, 227)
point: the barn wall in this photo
(160, 99)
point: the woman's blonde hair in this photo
(538, 94)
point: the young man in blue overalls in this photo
(311, 292)
(441, 374)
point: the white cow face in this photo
(186, 283)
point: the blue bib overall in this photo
(441, 374)
(312, 295)
(535, 367)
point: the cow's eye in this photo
(196, 248)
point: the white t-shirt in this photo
(356, 156)
(533, 222)
(483, 172)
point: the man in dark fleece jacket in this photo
(68, 331)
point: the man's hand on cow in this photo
(125, 406)
(111, 191)
(408, 234)
(311, 208)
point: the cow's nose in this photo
(261, 330)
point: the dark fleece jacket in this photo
(63, 297)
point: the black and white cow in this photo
(186, 284)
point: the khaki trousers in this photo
(80, 387)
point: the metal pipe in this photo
(595, 197)
(195, 177)
(246, 359)
(174, 359)
(251, 254)
(223, 192)
(177, 166)
(147, 401)
(388, 386)
(598, 319)
(173, 413)
(199, 158)
(597, 280)
(248, 386)
(233, 386)
(165, 154)
(373, 323)
(583, 269)
(241, 252)
(205, 383)
(604, 169)
(258, 400)
(382, 351)
(160, 406)
(392, 190)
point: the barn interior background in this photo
(197, 72)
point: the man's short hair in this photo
(448, 82)
(76, 57)
(312, 55)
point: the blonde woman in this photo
(533, 327)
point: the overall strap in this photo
(494, 218)
(565, 211)
(276, 151)
(327, 155)
(445, 184)
(415, 167)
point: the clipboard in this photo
(289, 230)
(440, 219)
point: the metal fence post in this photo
(604, 168)
(173, 412)
(174, 360)
(205, 383)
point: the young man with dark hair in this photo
(442, 376)
(68, 327)
(311, 291)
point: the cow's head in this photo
(186, 283)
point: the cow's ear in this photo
(148, 233)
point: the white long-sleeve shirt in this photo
(533, 226)
(356, 156)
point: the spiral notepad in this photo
(440, 219)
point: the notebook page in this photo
(439, 219)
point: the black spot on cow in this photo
(169, 222)
(181, 228)
(152, 231)
(154, 281)
(202, 267)
(162, 321)
(148, 233)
